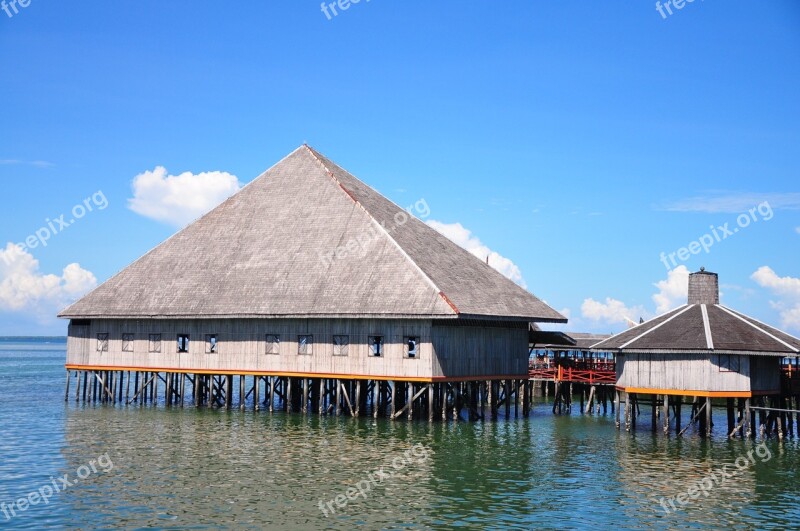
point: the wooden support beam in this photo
(347, 400)
(430, 402)
(409, 402)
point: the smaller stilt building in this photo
(704, 350)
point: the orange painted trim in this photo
(672, 392)
(449, 302)
(241, 372)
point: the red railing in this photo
(598, 373)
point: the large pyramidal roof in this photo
(267, 251)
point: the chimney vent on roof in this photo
(703, 287)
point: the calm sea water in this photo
(140, 467)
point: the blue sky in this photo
(577, 140)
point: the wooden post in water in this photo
(375, 392)
(616, 402)
(729, 406)
(430, 402)
(654, 412)
(507, 392)
(66, 393)
(393, 406)
(337, 406)
(665, 412)
(78, 386)
(526, 399)
(628, 411)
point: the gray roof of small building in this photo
(711, 328)
(266, 252)
(573, 341)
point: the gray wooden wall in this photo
(242, 346)
(696, 372)
(480, 351)
(459, 351)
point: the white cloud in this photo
(612, 311)
(797, 230)
(25, 290)
(787, 290)
(179, 199)
(36, 163)
(673, 291)
(733, 203)
(464, 237)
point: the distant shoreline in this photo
(18, 338)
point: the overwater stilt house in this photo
(317, 292)
(704, 350)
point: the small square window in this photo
(102, 342)
(183, 342)
(729, 363)
(376, 346)
(305, 344)
(127, 342)
(154, 344)
(273, 344)
(211, 343)
(411, 347)
(341, 345)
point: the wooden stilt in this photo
(337, 406)
(729, 407)
(375, 392)
(628, 411)
(358, 398)
(183, 387)
(616, 403)
(665, 413)
(321, 396)
(66, 393)
(256, 393)
(304, 408)
(590, 400)
(430, 402)
(654, 412)
(507, 392)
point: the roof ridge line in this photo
(707, 327)
(382, 228)
(736, 314)
(659, 325)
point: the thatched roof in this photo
(267, 251)
(697, 328)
